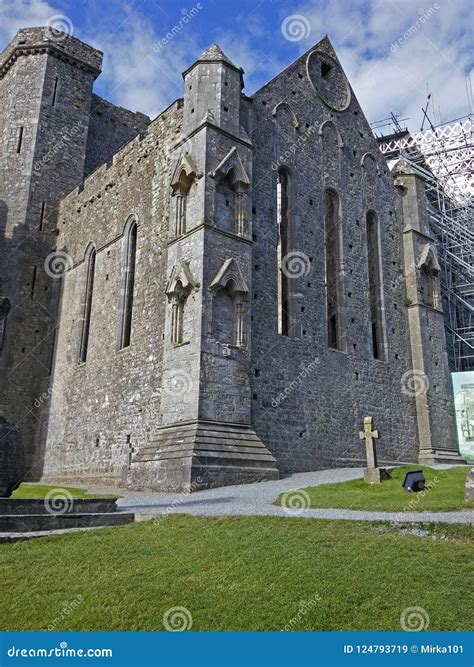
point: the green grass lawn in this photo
(239, 573)
(41, 491)
(446, 492)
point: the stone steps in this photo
(59, 513)
(14, 523)
(65, 505)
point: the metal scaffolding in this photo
(444, 156)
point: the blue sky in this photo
(393, 51)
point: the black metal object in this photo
(414, 481)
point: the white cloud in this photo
(394, 51)
(16, 14)
(139, 77)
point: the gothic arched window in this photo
(333, 269)
(182, 188)
(228, 316)
(128, 284)
(87, 305)
(283, 248)
(375, 286)
(429, 281)
(177, 313)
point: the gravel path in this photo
(257, 499)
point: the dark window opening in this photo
(375, 286)
(325, 69)
(129, 284)
(43, 205)
(333, 269)
(33, 282)
(55, 92)
(86, 317)
(20, 139)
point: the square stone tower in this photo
(46, 82)
(206, 438)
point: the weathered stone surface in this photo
(372, 474)
(12, 458)
(469, 488)
(200, 181)
(375, 475)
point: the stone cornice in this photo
(50, 49)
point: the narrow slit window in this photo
(86, 316)
(375, 287)
(55, 92)
(41, 222)
(19, 139)
(128, 286)
(33, 282)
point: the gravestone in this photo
(469, 488)
(12, 458)
(372, 474)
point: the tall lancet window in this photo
(128, 285)
(182, 187)
(177, 313)
(283, 247)
(87, 306)
(375, 286)
(333, 270)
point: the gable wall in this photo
(309, 402)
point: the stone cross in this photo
(369, 436)
(372, 474)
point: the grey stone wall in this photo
(110, 127)
(305, 402)
(309, 401)
(102, 408)
(46, 94)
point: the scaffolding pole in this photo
(444, 157)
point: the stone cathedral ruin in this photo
(218, 295)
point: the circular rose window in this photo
(328, 80)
